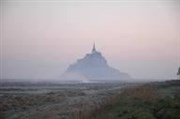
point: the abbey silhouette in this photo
(93, 67)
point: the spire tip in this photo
(94, 48)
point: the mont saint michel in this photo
(93, 66)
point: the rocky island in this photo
(93, 67)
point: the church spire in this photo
(94, 48)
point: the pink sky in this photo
(40, 39)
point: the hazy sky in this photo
(40, 38)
